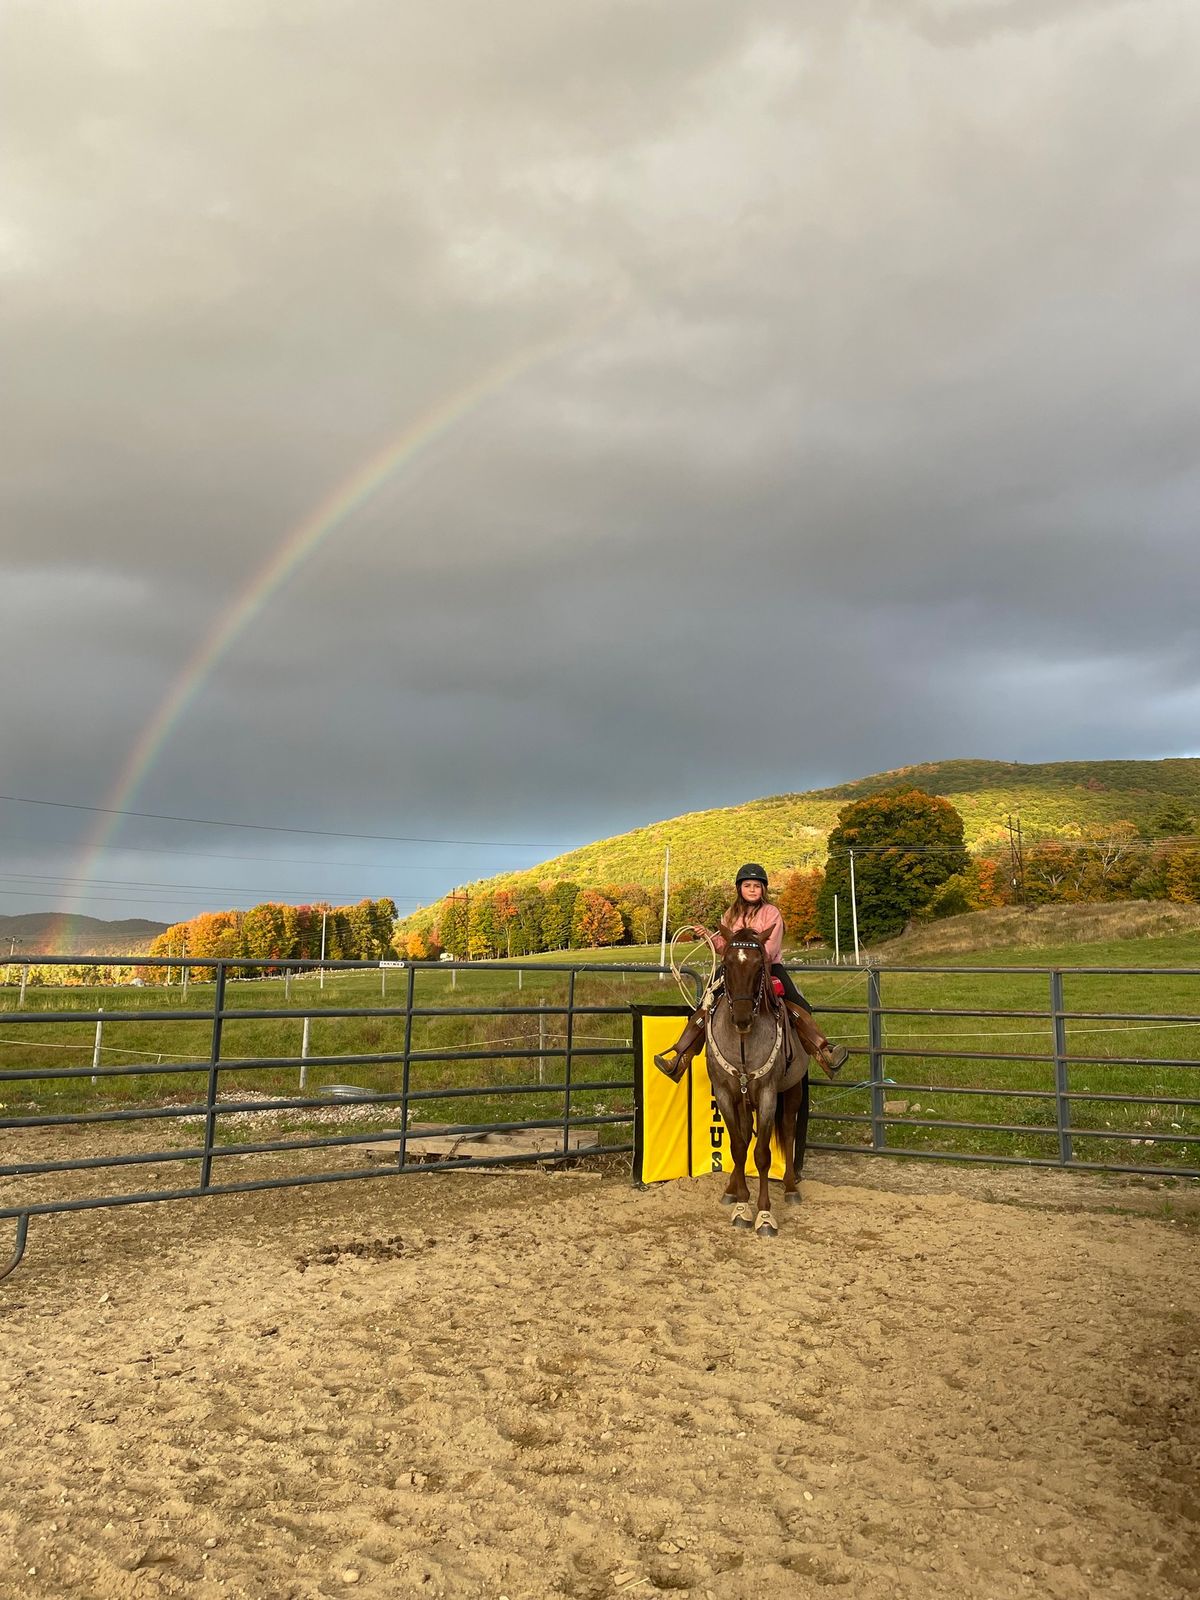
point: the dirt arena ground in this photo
(935, 1383)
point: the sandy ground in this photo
(935, 1382)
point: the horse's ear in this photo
(724, 932)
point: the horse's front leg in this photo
(737, 1121)
(764, 1224)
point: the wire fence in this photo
(494, 1063)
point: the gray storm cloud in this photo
(872, 379)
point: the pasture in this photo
(979, 1103)
(934, 1383)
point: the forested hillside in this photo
(1053, 800)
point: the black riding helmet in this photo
(754, 871)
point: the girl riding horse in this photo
(751, 909)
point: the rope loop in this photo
(705, 938)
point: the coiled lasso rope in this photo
(676, 973)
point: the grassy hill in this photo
(1053, 799)
(1115, 933)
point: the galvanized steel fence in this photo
(558, 1039)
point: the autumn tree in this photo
(1051, 872)
(371, 924)
(452, 924)
(482, 933)
(504, 916)
(290, 945)
(308, 933)
(263, 933)
(595, 921)
(641, 911)
(1174, 820)
(557, 914)
(693, 900)
(905, 844)
(1152, 879)
(979, 887)
(988, 883)
(1110, 859)
(421, 945)
(1183, 877)
(527, 924)
(797, 898)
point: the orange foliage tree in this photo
(595, 921)
(797, 901)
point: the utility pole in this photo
(465, 896)
(854, 908)
(662, 949)
(1017, 856)
(837, 935)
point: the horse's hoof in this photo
(728, 1199)
(742, 1216)
(792, 1199)
(765, 1225)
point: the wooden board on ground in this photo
(427, 1142)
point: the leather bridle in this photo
(744, 1075)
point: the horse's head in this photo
(745, 969)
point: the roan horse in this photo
(748, 1045)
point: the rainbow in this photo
(293, 550)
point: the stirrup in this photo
(673, 1069)
(834, 1060)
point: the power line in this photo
(208, 888)
(116, 900)
(268, 827)
(212, 855)
(996, 846)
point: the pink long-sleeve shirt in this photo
(767, 922)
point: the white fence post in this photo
(541, 1041)
(287, 986)
(304, 1055)
(96, 1048)
(24, 981)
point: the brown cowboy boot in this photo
(833, 1057)
(683, 1049)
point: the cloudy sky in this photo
(777, 392)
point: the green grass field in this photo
(928, 1094)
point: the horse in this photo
(759, 1074)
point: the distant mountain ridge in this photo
(36, 931)
(1052, 799)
